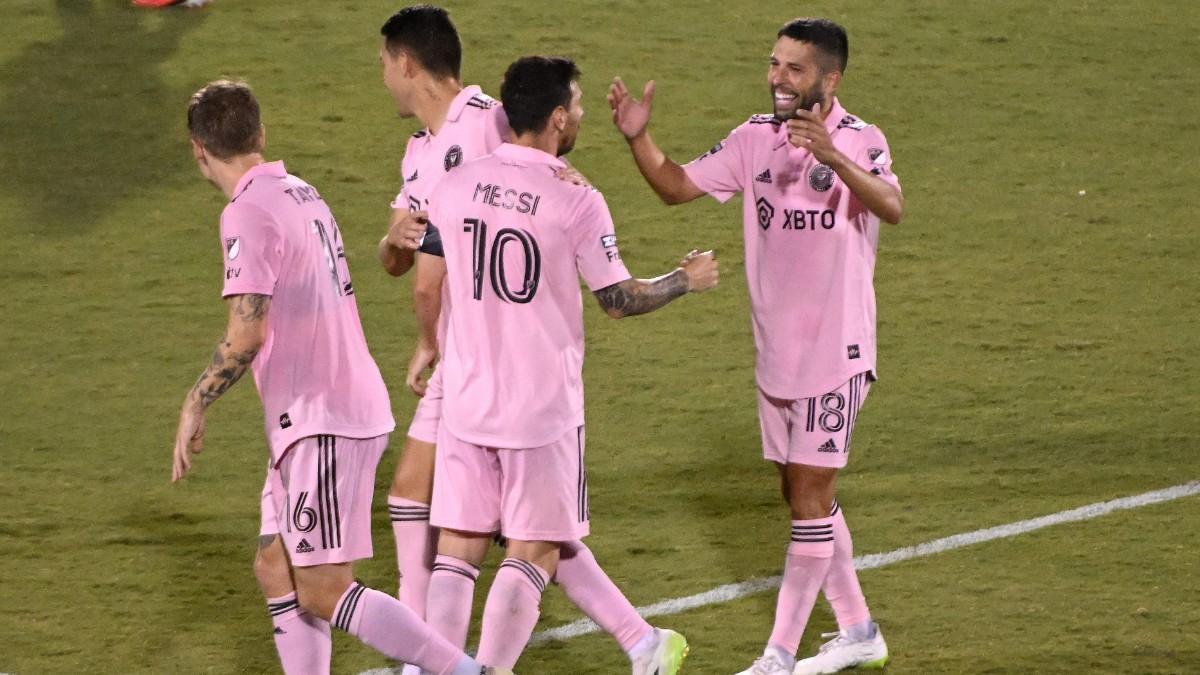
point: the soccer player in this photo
(816, 182)
(421, 57)
(293, 319)
(510, 449)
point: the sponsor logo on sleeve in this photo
(820, 178)
(233, 248)
(454, 157)
(852, 352)
(232, 273)
(712, 151)
(608, 241)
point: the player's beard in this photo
(803, 101)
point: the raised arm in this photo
(696, 273)
(244, 336)
(632, 118)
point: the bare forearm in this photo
(642, 296)
(880, 197)
(427, 306)
(667, 178)
(229, 363)
(396, 260)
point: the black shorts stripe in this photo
(833, 511)
(528, 570)
(345, 612)
(322, 501)
(850, 413)
(581, 487)
(337, 512)
(812, 415)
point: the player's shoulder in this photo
(481, 101)
(759, 125)
(766, 120)
(855, 123)
(248, 208)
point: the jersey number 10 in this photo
(495, 263)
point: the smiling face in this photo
(800, 76)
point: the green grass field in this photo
(1039, 321)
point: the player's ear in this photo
(831, 81)
(197, 150)
(559, 118)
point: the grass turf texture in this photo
(1037, 345)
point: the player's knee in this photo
(271, 566)
(810, 491)
(318, 593)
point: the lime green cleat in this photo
(667, 656)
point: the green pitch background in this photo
(1038, 344)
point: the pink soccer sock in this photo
(841, 585)
(511, 612)
(416, 543)
(451, 594)
(302, 640)
(590, 589)
(807, 564)
(391, 628)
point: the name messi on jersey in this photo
(506, 198)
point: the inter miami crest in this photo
(454, 157)
(820, 178)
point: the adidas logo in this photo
(828, 446)
(280, 631)
(764, 177)
(305, 547)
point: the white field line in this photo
(731, 592)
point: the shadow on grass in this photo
(86, 119)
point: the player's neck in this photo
(227, 174)
(433, 105)
(547, 141)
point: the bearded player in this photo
(421, 57)
(816, 182)
(294, 321)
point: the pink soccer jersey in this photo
(475, 126)
(810, 249)
(517, 239)
(313, 372)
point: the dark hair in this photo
(828, 37)
(428, 35)
(224, 117)
(533, 87)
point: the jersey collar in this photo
(836, 114)
(275, 169)
(460, 102)
(523, 153)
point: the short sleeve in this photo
(719, 172)
(595, 242)
(253, 250)
(873, 155)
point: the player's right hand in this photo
(407, 228)
(423, 357)
(189, 438)
(631, 116)
(701, 270)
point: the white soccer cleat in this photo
(841, 653)
(767, 664)
(410, 670)
(667, 656)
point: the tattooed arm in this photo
(244, 336)
(696, 273)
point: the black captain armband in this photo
(432, 243)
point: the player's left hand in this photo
(573, 176)
(189, 438)
(807, 130)
(407, 228)
(423, 357)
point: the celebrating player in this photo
(816, 182)
(510, 449)
(293, 319)
(421, 57)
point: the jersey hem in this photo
(826, 385)
(282, 442)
